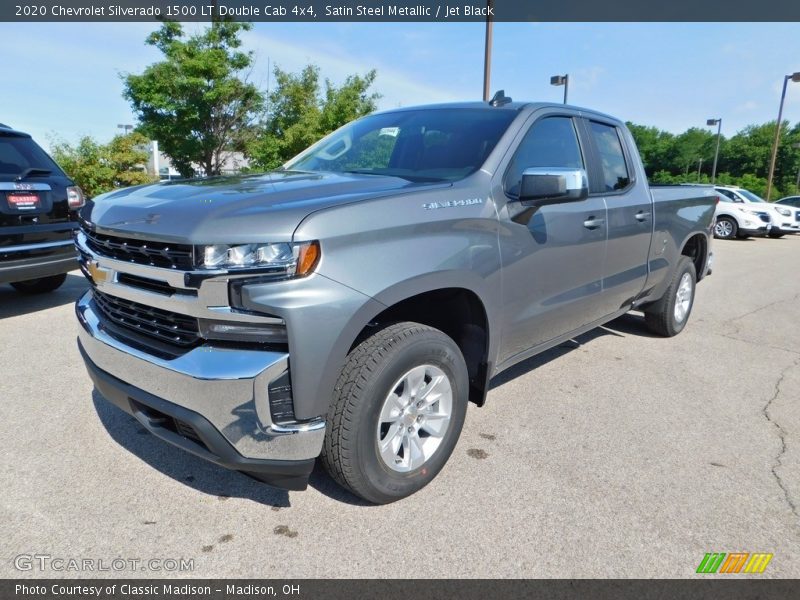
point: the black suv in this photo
(38, 204)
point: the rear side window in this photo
(20, 153)
(550, 142)
(727, 196)
(612, 158)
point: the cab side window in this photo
(612, 158)
(550, 142)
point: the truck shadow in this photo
(627, 324)
(14, 304)
(222, 483)
(533, 363)
(182, 466)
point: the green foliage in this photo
(300, 114)
(743, 159)
(99, 168)
(196, 102)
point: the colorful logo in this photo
(734, 562)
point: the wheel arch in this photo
(696, 248)
(451, 304)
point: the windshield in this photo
(418, 145)
(751, 196)
(19, 155)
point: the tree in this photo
(197, 102)
(743, 158)
(99, 168)
(300, 114)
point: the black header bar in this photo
(366, 11)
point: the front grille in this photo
(142, 252)
(163, 325)
(145, 283)
(764, 217)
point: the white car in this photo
(782, 218)
(736, 219)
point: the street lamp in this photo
(487, 52)
(561, 80)
(795, 77)
(718, 123)
(125, 128)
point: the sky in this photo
(62, 80)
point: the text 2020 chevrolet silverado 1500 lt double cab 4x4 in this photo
(350, 304)
(38, 204)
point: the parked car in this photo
(790, 200)
(735, 219)
(782, 218)
(793, 203)
(350, 304)
(38, 205)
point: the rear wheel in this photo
(397, 412)
(41, 285)
(668, 316)
(725, 228)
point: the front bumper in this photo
(210, 401)
(762, 230)
(787, 227)
(32, 261)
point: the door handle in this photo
(593, 223)
(642, 215)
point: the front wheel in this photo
(776, 234)
(668, 316)
(725, 228)
(41, 285)
(397, 412)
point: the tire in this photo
(777, 234)
(383, 373)
(669, 315)
(41, 285)
(725, 228)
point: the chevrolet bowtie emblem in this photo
(98, 273)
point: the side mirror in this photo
(552, 185)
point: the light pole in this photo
(795, 77)
(125, 128)
(487, 52)
(718, 123)
(561, 80)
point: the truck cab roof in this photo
(521, 106)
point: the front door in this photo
(553, 255)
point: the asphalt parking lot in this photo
(618, 455)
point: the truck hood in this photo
(237, 209)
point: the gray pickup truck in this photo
(351, 304)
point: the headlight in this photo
(289, 260)
(783, 211)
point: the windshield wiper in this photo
(365, 172)
(33, 171)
